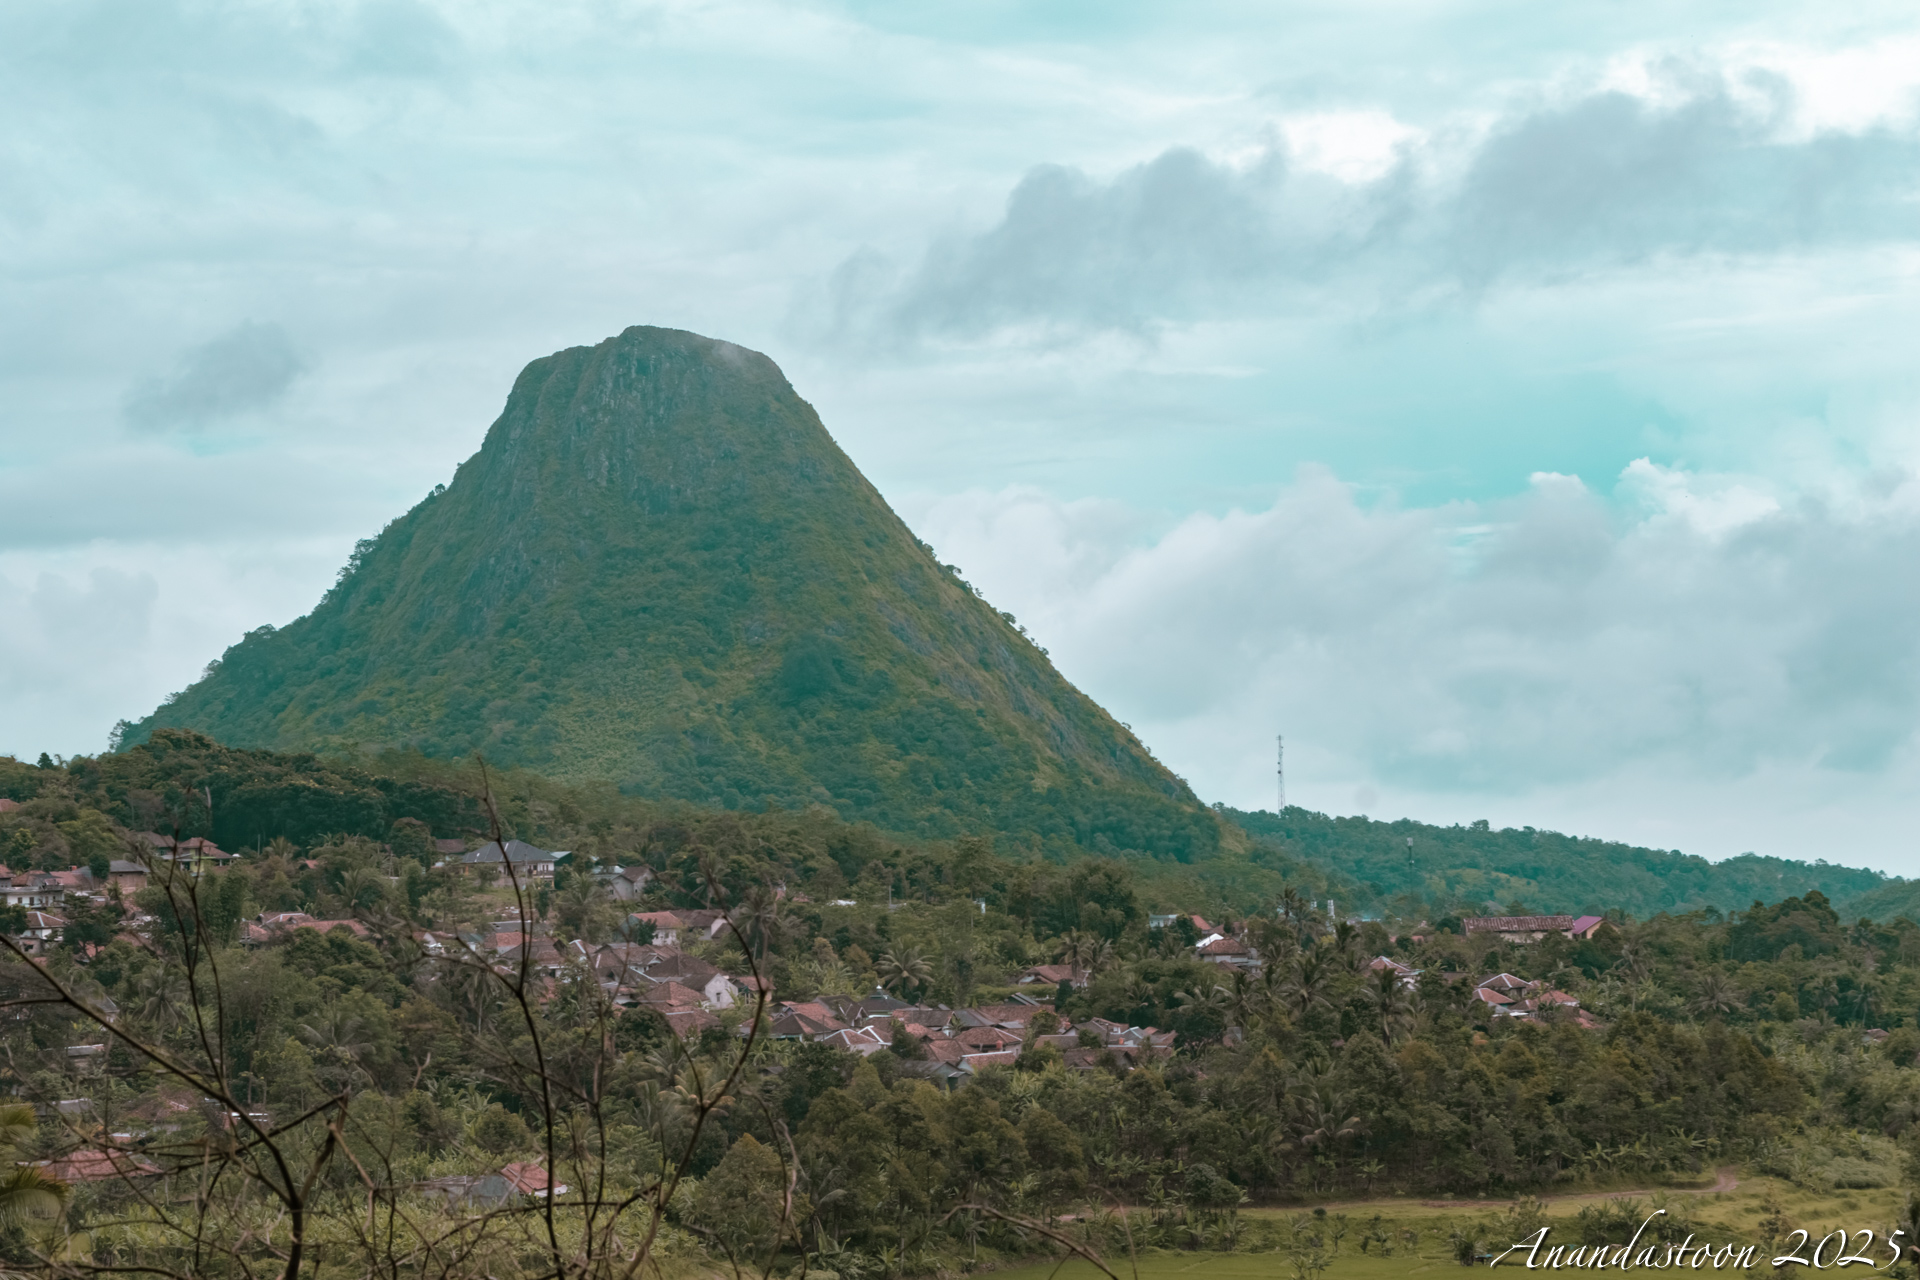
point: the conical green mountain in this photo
(661, 572)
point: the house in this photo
(669, 995)
(471, 1190)
(1227, 951)
(803, 1020)
(1506, 996)
(8, 806)
(1052, 975)
(90, 1164)
(703, 923)
(42, 928)
(624, 883)
(865, 1041)
(1013, 1017)
(717, 990)
(269, 925)
(87, 1059)
(1409, 978)
(1161, 921)
(127, 877)
(450, 848)
(665, 924)
(685, 1023)
(974, 1063)
(942, 1074)
(529, 1178)
(195, 853)
(1531, 928)
(514, 860)
(34, 890)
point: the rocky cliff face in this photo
(660, 571)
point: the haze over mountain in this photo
(660, 571)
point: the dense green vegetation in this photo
(1474, 869)
(1719, 1037)
(659, 571)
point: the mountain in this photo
(660, 572)
(1475, 865)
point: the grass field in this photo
(1729, 1217)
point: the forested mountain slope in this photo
(660, 572)
(1474, 866)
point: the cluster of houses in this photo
(952, 1045)
(43, 896)
(1530, 929)
(1501, 995)
(689, 993)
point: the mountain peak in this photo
(661, 572)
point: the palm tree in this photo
(339, 1039)
(1863, 1001)
(1077, 950)
(903, 969)
(1393, 1004)
(1714, 993)
(758, 918)
(161, 996)
(1346, 942)
(1293, 904)
(1216, 999)
(362, 888)
(1326, 1116)
(1306, 987)
(1247, 1000)
(26, 1192)
(582, 909)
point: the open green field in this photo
(1420, 1232)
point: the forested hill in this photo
(1474, 866)
(660, 572)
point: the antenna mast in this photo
(1280, 771)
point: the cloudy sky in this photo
(1516, 406)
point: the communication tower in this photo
(1280, 771)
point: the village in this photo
(654, 966)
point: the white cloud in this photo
(1526, 654)
(1241, 241)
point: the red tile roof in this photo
(93, 1165)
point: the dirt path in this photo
(1725, 1180)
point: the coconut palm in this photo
(904, 970)
(1392, 1004)
(1306, 987)
(1715, 993)
(362, 888)
(583, 909)
(160, 996)
(1325, 1117)
(1078, 949)
(26, 1192)
(338, 1039)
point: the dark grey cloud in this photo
(244, 370)
(1614, 178)
(1558, 190)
